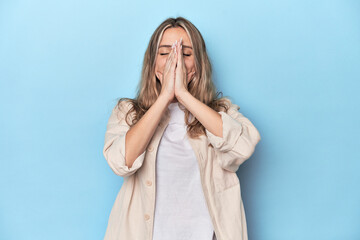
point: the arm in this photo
(238, 141)
(126, 159)
(231, 134)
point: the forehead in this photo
(171, 35)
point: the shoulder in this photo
(122, 107)
(233, 109)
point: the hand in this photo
(181, 78)
(167, 79)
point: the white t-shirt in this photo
(180, 208)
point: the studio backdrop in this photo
(293, 67)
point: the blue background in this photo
(291, 66)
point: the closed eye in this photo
(188, 55)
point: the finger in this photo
(180, 53)
(171, 54)
(173, 64)
(178, 65)
(169, 60)
(180, 59)
(179, 46)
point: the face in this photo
(169, 37)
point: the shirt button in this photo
(148, 182)
(151, 148)
(147, 217)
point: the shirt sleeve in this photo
(114, 146)
(238, 141)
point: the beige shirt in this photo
(132, 215)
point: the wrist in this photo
(181, 95)
(164, 98)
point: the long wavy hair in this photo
(201, 86)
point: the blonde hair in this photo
(201, 86)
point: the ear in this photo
(159, 76)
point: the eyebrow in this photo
(169, 46)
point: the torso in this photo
(180, 211)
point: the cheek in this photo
(160, 64)
(189, 64)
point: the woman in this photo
(178, 147)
